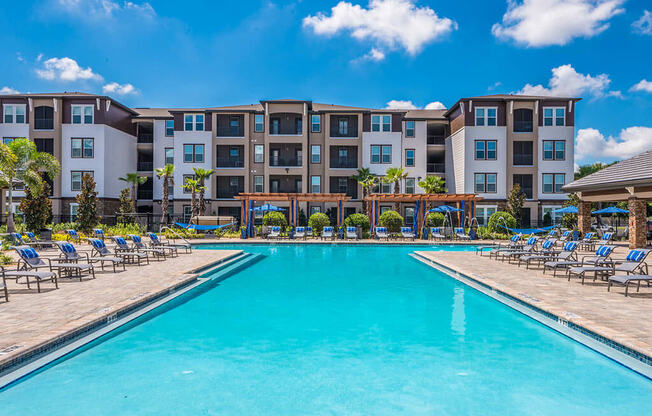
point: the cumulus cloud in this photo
(119, 89)
(390, 23)
(567, 82)
(8, 90)
(435, 105)
(591, 144)
(537, 23)
(66, 69)
(104, 9)
(644, 24)
(409, 105)
(642, 85)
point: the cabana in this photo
(629, 180)
(248, 200)
(465, 203)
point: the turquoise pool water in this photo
(329, 330)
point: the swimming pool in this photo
(334, 329)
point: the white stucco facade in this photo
(181, 168)
(419, 144)
(161, 142)
(381, 138)
(565, 166)
(473, 166)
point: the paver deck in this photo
(610, 314)
(31, 319)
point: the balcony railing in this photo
(229, 192)
(230, 163)
(145, 166)
(436, 168)
(523, 159)
(523, 126)
(145, 138)
(145, 194)
(344, 164)
(436, 140)
(296, 162)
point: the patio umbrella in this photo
(566, 210)
(612, 210)
(267, 207)
(444, 208)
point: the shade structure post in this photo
(462, 214)
(250, 218)
(371, 218)
(292, 212)
(296, 207)
(243, 219)
(415, 223)
(425, 219)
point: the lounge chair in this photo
(606, 239)
(104, 255)
(138, 245)
(327, 233)
(30, 261)
(351, 233)
(71, 257)
(626, 279)
(156, 242)
(39, 277)
(587, 242)
(124, 250)
(17, 240)
(275, 232)
(38, 243)
(406, 233)
(566, 235)
(600, 257)
(73, 236)
(513, 244)
(567, 253)
(99, 233)
(435, 233)
(527, 249)
(547, 250)
(459, 233)
(552, 234)
(309, 232)
(381, 232)
(633, 263)
(300, 232)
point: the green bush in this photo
(5, 259)
(275, 218)
(435, 219)
(63, 226)
(318, 221)
(392, 220)
(501, 219)
(485, 234)
(358, 220)
(187, 234)
(123, 229)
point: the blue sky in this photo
(364, 53)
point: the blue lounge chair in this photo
(547, 249)
(459, 233)
(309, 232)
(435, 233)
(275, 232)
(99, 233)
(300, 232)
(633, 263)
(36, 242)
(130, 254)
(156, 242)
(625, 280)
(3, 284)
(587, 242)
(601, 257)
(73, 236)
(28, 266)
(102, 254)
(138, 245)
(327, 233)
(514, 243)
(73, 267)
(527, 249)
(606, 239)
(406, 232)
(381, 232)
(351, 233)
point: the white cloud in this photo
(375, 55)
(642, 85)
(391, 23)
(39, 57)
(8, 90)
(115, 88)
(66, 69)
(435, 105)
(538, 23)
(644, 24)
(567, 82)
(104, 9)
(592, 144)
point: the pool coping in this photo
(36, 356)
(622, 354)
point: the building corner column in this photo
(637, 222)
(584, 217)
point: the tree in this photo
(499, 221)
(20, 162)
(586, 170)
(392, 220)
(275, 218)
(358, 220)
(125, 207)
(395, 176)
(37, 209)
(318, 221)
(367, 181)
(432, 185)
(167, 173)
(193, 186)
(570, 220)
(515, 201)
(202, 175)
(87, 205)
(134, 180)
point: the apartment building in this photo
(480, 145)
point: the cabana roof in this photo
(422, 197)
(259, 196)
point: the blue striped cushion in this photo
(350, 229)
(98, 231)
(153, 236)
(570, 246)
(635, 255)
(120, 240)
(531, 241)
(515, 238)
(17, 236)
(566, 234)
(603, 251)
(97, 243)
(548, 244)
(588, 236)
(276, 228)
(459, 230)
(30, 234)
(434, 230)
(72, 233)
(328, 228)
(67, 248)
(310, 228)
(300, 229)
(28, 253)
(135, 238)
(607, 236)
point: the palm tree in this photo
(134, 180)
(202, 175)
(432, 185)
(167, 173)
(367, 181)
(194, 187)
(20, 162)
(395, 176)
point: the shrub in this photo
(358, 220)
(392, 220)
(5, 259)
(501, 219)
(123, 229)
(63, 226)
(485, 234)
(37, 209)
(187, 234)
(435, 219)
(87, 205)
(318, 221)
(275, 218)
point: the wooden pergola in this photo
(464, 202)
(248, 200)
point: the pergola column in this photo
(584, 216)
(637, 222)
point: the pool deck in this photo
(31, 320)
(624, 320)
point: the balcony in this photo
(436, 140)
(230, 125)
(229, 186)
(286, 124)
(145, 194)
(283, 163)
(145, 138)
(285, 155)
(344, 126)
(343, 157)
(291, 184)
(436, 168)
(228, 162)
(523, 126)
(145, 166)
(344, 163)
(344, 185)
(230, 157)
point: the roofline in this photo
(511, 98)
(604, 185)
(84, 95)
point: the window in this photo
(82, 114)
(315, 154)
(316, 123)
(409, 216)
(199, 122)
(169, 156)
(44, 145)
(187, 212)
(523, 155)
(386, 187)
(259, 123)
(258, 184)
(14, 113)
(193, 153)
(314, 210)
(342, 185)
(552, 183)
(381, 122)
(554, 216)
(234, 125)
(381, 154)
(409, 157)
(170, 190)
(409, 185)
(185, 181)
(298, 125)
(76, 178)
(234, 155)
(259, 153)
(523, 120)
(193, 120)
(386, 154)
(554, 116)
(554, 150)
(82, 148)
(169, 128)
(384, 209)
(276, 126)
(409, 128)
(482, 214)
(525, 182)
(315, 182)
(485, 149)
(298, 183)
(7, 140)
(43, 118)
(343, 126)
(485, 116)
(74, 210)
(485, 183)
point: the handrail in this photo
(176, 233)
